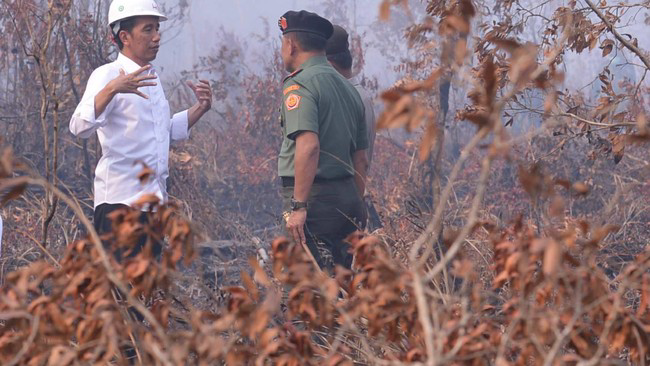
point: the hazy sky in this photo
(197, 38)
(242, 17)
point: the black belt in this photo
(291, 181)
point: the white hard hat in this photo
(122, 9)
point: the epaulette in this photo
(292, 75)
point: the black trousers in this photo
(335, 210)
(105, 225)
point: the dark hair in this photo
(343, 60)
(309, 42)
(126, 25)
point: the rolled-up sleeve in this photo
(180, 126)
(84, 122)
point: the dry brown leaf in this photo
(454, 23)
(460, 51)
(6, 163)
(145, 174)
(61, 356)
(428, 141)
(384, 10)
(258, 273)
(478, 117)
(556, 209)
(508, 44)
(184, 157)
(14, 192)
(250, 286)
(607, 46)
(147, 199)
(522, 65)
(552, 258)
(258, 323)
(618, 147)
(580, 188)
(391, 95)
(137, 267)
(644, 305)
(550, 102)
(425, 84)
(580, 344)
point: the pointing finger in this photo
(141, 70)
(296, 235)
(145, 77)
(203, 87)
(145, 84)
(141, 94)
(301, 232)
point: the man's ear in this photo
(293, 45)
(124, 36)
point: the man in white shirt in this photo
(340, 57)
(125, 104)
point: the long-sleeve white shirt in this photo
(131, 130)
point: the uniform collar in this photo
(129, 65)
(313, 61)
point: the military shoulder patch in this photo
(291, 88)
(293, 101)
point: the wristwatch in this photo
(297, 205)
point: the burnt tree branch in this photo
(644, 58)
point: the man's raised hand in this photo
(129, 83)
(203, 93)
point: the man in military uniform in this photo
(323, 159)
(339, 55)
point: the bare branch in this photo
(644, 58)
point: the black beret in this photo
(338, 42)
(304, 21)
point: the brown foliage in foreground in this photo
(549, 301)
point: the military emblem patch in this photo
(290, 89)
(282, 23)
(293, 101)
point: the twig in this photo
(625, 42)
(349, 322)
(423, 315)
(599, 124)
(38, 243)
(35, 320)
(471, 221)
(433, 228)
